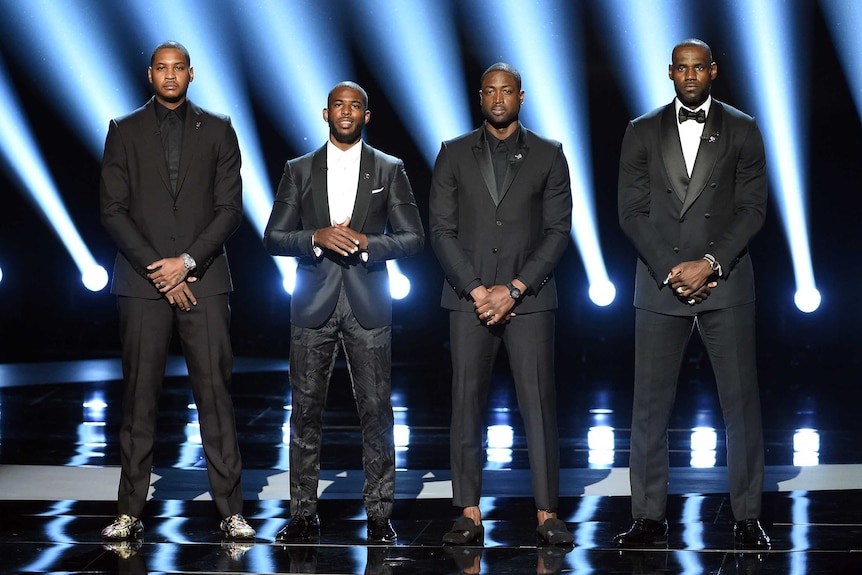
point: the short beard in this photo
(349, 138)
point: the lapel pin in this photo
(197, 125)
(518, 156)
(367, 176)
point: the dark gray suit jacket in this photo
(523, 236)
(146, 220)
(671, 219)
(385, 211)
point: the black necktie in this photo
(501, 164)
(172, 140)
(684, 114)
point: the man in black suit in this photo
(500, 216)
(692, 194)
(171, 195)
(331, 212)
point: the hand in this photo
(182, 297)
(167, 273)
(496, 305)
(340, 238)
(687, 278)
(700, 295)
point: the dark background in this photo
(46, 314)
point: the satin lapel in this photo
(319, 188)
(671, 153)
(707, 155)
(367, 173)
(191, 135)
(516, 160)
(155, 149)
(482, 153)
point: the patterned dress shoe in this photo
(123, 528)
(749, 534)
(380, 531)
(299, 528)
(236, 527)
(643, 533)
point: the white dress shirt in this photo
(342, 179)
(690, 132)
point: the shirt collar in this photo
(705, 106)
(336, 155)
(162, 111)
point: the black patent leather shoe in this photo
(380, 531)
(464, 532)
(299, 528)
(643, 533)
(749, 534)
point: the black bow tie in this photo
(699, 116)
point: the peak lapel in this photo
(367, 171)
(516, 160)
(191, 135)
(319, 188)
(482, 153)
(707, 154)
(671, 152)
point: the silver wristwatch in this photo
(188, 261)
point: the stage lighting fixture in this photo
(24, 162)
(555, 105)
(774, 35)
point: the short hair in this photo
(688, 42)
(502, 67)
(174, 45)
(351, 85)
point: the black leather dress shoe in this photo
(749, 534)
(299, 528)
(464, 532)
(643, 533)
(381, 531)
(554, 531)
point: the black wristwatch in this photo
(514, 292)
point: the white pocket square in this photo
(377, 191)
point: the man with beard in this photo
(500, 216)
(331, 212)
(692, 194)
(171, 195)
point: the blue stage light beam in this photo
(307, 59)
(218, 86)
(555, 103)
(23, 161)
(641, 35)
(418, 63)
(771, 33)
(844, 20)
(74, 62)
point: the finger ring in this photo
(161, 284)
(680, 289)
(487, 314)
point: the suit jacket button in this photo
(676, 250)
(499, 223)
(494, 250)
(706, 215)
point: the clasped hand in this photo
(340, 239)
(692, 281)
(493, 305)
(168, 273)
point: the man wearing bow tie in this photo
(342, 211)
(500, 216)
(171, 195)
(692, 194)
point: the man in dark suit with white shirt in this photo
(692, 194)
(343, 211)
(500, 216)
(171, 195)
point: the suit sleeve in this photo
(633, 203)
(227, 202)
(115, 202)
(556, 225)
(405, 235)
(750, 199)
(283, 235)
(443, 221)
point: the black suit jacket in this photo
(383, 196)
(671, 219)
(148, 222)
(523, 236)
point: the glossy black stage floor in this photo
(59, 455)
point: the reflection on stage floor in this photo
(59, 456)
